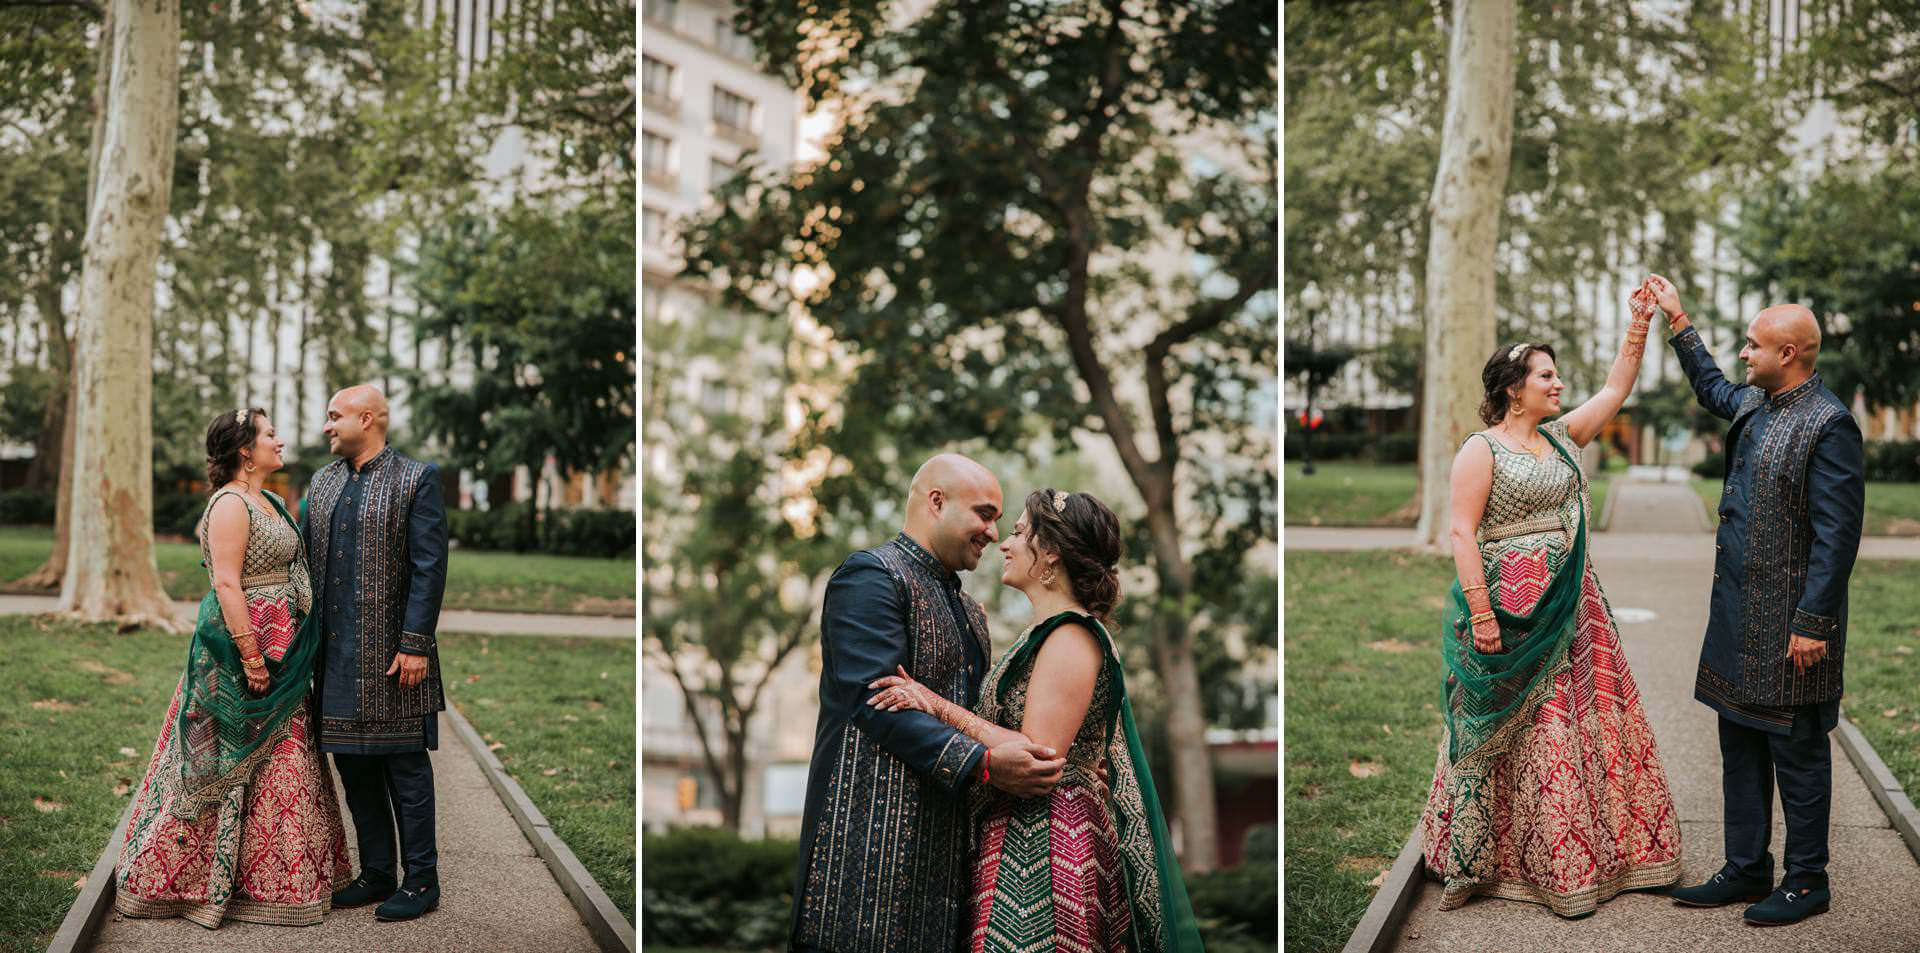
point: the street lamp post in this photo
(1310, 301)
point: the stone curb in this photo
(608, 925)
(1881, 782)
(90, 908)
(1378, 929)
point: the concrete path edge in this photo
(609, 926)
(90, 908)
(1881, 783)
(1378, 927)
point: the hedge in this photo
(707, 886)
(606, 533)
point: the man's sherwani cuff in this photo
(1690, 337)
(956, 759)
(413, 643)
(1817, 627)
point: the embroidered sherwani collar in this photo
(928, 561)
(1788, 398)
(374, 463)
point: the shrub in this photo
(26, 508)
(1397, 448)
(1893, 461)
(1238, 902)
(605, 533)
(179, 513)
(1713, 467)
(502, 528)
(708, 886)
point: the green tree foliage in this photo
(1632, 132)
(1848, 246)
(543, 305)
(565, 77)
(731, 571)
(1052, 213)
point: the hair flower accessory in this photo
(1059, 502)
(240, 416)
(1514, 354)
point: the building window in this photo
(729, 41)
(653, 227)
(732, 112)
(656, 158)
(663, 12)
(656, 80)
(718, 172)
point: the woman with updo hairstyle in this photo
(235, 772)
(1545, 730)
(1098, 851)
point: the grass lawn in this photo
(1883, 663)
(1351, 494)
(562, 712)
(1893, 509)
(1366, 494)
(516, 582)
(1363, 687)
(80, 707)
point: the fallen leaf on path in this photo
(1379, 881)
(603, 675)
(1387, 728)
(52, 704)
(1393, 646)
(496, 746)
(1366, 769)
(121, 789)
(80, 884)
(568, 718)
(472, 678)
(1903, 649)
(1890, 713)
(129, 752)
(550, 772)
(45, 806)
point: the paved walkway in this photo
(451, 620)
(497, 894)
(1658, 561)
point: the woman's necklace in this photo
(1538, 449)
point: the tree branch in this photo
(1201, 321)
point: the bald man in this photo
(376, 534)
(1770, 665)
(885, 841)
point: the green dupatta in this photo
(224, 731)
(1163, 920)
(1488, 694)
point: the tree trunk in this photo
(1192, 768)
(111, 574)
(53, 573)
(49, 448)
(1476, 146)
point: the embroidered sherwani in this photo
(1788, 533)
(377, 534)
(885, 839)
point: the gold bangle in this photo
(1479, 617)
(1466, 589)
(254, 662)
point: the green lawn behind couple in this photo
(1344, 493)
(1363, 696)
(491, 581)
(80, 707)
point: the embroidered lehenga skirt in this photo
(272, 848)
(1565, 802)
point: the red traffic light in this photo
(1310, 421)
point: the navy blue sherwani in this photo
(1789, 530)
(885, 841)
(377, 539)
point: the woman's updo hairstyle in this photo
(1086, 537)
(230, 433)
(1502, 374)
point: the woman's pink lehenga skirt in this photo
(272, 851)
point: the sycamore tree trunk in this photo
(1475, 148)
(111, 574)
(53, 572)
